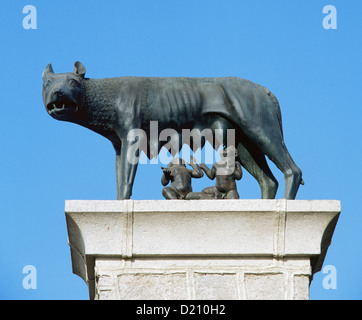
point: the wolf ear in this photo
(47, 70)
(79, 69)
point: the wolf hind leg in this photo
(256, 164)
(278, 153)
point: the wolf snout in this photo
(59, 101)
(58, 93)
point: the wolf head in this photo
(62, 92)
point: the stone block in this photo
(213, 286)
(265, 286)
(201, 249)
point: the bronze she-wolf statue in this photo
(113, 107)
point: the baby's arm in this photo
(238, 172)
(196, 172)
(210, 173)
(165, 177)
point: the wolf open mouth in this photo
(60, 107)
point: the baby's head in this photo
(176, 162)
(227, 161)
(229, 152)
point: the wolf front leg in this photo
(126, 167)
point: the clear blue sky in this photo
(315, 74)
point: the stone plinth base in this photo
(199, 249)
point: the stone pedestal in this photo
(199, 249)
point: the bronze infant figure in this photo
(180, 178)
(225, 186)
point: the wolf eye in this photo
(73, 83)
